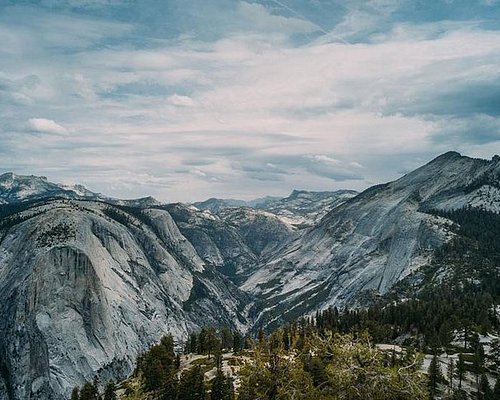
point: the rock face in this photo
(15, 188)
(303, 209)
(300, 210)
(235, 240)
(372, 240)
(86, 285)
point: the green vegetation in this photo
(297, 361)
(328, 365)
(458, 291)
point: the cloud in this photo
(334, 170)
(181, 101)
(478, 129)
(43, 125)
(190, 99)
(262, 20)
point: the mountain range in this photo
(88, 282)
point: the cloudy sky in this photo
(187, 99)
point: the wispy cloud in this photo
(243, 98)
(46, 126)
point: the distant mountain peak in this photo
(17, 188)
(450, 154)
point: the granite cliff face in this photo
(372, 240)
(301, 209)
(87, 283)
(85, 287)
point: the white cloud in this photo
(257, 114)
(47, 126)
(181, 101)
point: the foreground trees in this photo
(297, 362)
(331, 366)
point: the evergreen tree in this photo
(459, 394)
(75, 394)
(450, 373)
(485, 392)
(222, 387)
(327, 366)
(109, 392)
(169, 388)
(212, 342)
(193, 343)
(218, 359)
(476, 367)
(202, 342)
(496, 389)
(261, 337)
(435, 376)
(191, 385)
(158, 364)
(89, 392)
(237, 342)
(226, 338)
(460, 370)
(494, 355)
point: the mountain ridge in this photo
(87, 284)
(16, 188)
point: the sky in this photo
(189, 99)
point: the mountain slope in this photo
(15, 188)
(373, 240)
(235, 240)
(304, 208)
(20, 188)
(87, 283)
(86, 286)
(300, 209)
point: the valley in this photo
(88, 283)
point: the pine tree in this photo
(496, 389)
(75, 394)
(485, 391)
(89, 392)
(193, 343)
(226, 338)
(435, 376)
(191, 385)
(202, 341)
(212, 341)
(170, 387)
(237, 342)
(460, 370)
(218, 359)
(477, 367)
(222, 387)
(159, 364)
(109, 392)
(261, 337)
(450, 373)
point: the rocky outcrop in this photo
(372, 240)
(85, 287)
